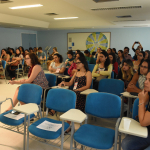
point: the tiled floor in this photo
(13, 141)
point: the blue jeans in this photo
(135, 143)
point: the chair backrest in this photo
(30, 93)
(137, 84)
(61, 100)
(22, 62)
(91, 87)
(112, 75)
(103, 105)
(51, 78)
(4, 64)
(91, 67)
(135, 108)
(112, 86)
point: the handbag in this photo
(14, 65)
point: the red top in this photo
(73, 66)
(115, 67)
(30, 71)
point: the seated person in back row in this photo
(41, 55)
(89, 57)
(103, 69)
(70, 59)
(57, 66)
(134, 142)
(139, 77)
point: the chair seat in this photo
(10, 121)
(95, 137)
(46, 134)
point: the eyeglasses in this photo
(27, 58)
(140, 55)
(77, 63)
(143, 67)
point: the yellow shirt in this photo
(104, 73)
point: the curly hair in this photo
(34, 59)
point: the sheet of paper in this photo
(46, 125)
(15, 117)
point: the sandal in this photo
(52, 113)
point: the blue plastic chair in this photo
(112, 75)
(51, 78)
(60, 100)
(91, 67)
(95, 136)
(20, 69)
(28, 93)
(4, 68)
(112, 86)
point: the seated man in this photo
(139, 77)
(137, 143)
(126, 53)
(89, 57)
(41, 55)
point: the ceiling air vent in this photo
(116, 8)
(51, 14)
(5, 1)
(99, 1)
(127, 16)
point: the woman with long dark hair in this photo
(35, 76)
(147, 55)
(126, 72)
(82, 80)
(112, 59)
(120, 58)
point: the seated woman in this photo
(13, 65)
(139, 77)
(134, 142)
(21, 50)
(35, 76)
(120, 58)
(140, 57)
(12, 53)
(50, 58)
(112, 59)
(109, 50)
(82, 80)
(57, 66)
(103, 69)
(4, 55)
(70, 59)
(126, 72)
(73, 68)
(147, 55)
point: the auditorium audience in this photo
(140, 57)
(35, 76)
(126, 72)
(139, 77)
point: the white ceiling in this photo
(35, 18)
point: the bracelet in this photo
(141, 104)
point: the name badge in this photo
(57, 70)
(75, 86)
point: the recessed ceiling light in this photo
(66, 18)
(26, 6)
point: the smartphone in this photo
(136, 42)
(15, 112)
(133, 93)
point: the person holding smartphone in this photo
(139, 46)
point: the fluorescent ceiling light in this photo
(26, 6)
(66, 18)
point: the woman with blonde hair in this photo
(126, 72)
